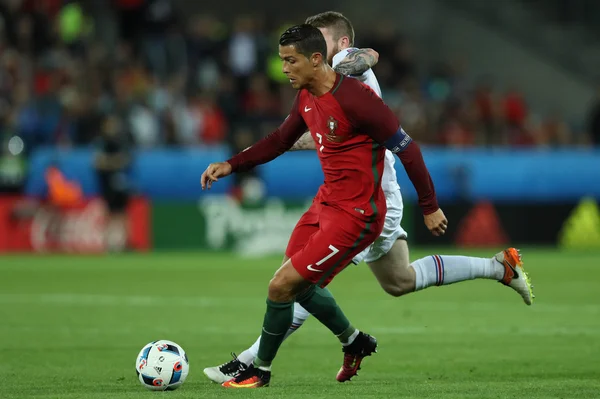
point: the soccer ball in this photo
(162, 365)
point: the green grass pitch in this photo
(71, 327)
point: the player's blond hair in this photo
(337, 22)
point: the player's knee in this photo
(280, 289)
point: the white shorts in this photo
(392, 230)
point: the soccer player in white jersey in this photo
(388, 256)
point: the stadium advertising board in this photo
(221, 223)
(27, 226)
(486, 224)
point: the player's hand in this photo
(436, 222)
(213, 172)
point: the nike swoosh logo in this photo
(514, 270)
(309, 267)
(306, 109)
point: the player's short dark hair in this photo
(337, 22)
(306, 38)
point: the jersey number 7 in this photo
(334, 251)
(320, 136)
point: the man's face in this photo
(299, 69)
(333, 46)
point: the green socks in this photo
(279, 316)
(321, 304)
(278, 319)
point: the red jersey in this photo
(352, 161)
(349, 124)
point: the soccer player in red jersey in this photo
(388, 256)
(351, 127)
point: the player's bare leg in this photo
(399, 277)
(393, 270)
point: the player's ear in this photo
(316, 59)
(344, 42)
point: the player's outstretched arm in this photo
(370, 115)
(411, 157)
(267, 149)
(305, 142)
(357, 62)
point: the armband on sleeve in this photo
(398, 142)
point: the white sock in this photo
(351, 338)
(300, 316)
(445, 269)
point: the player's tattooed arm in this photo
(305, 142)
(357, 62)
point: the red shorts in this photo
(325, 240)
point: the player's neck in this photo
(323, 82)
(340, 49)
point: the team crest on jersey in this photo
(332, 125)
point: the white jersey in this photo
(389, 183)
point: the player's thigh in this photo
(392, 229)
(388, 256)
(330, 249)
(393, 270)
(304, 229)
(394, 264)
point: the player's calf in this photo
(393, 270)
(232, 368)
(300, 316)
(506, 267)
(399, 288)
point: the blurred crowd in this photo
(176, 79)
